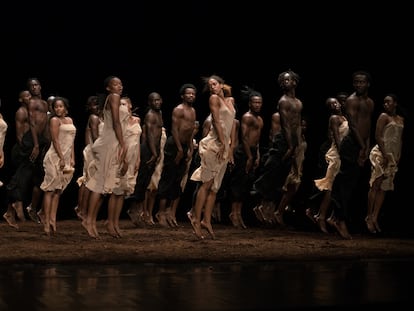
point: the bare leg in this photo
(10, 216)
(286, 199)
(173, 212)
(149, 206)
(118, 210)
(200, 201)
(239, 215)
(162, 213)
(110, 226)
(340, 226)
(372, 198)
(321, 216)
(233, 215)
(47, 207)
(37, 200)
(18, 207)
(133, 212)
(208, 209)
(379, 200)
(53, 211)
(90, 222)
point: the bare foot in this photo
(172, 221)
(133, 215)
(279, 218)
(41, 216)
(19, 211)
(89, 229)
(190, 216)
(377, 226)
(148, 220)
(342, 229)
(10, 220)
(268, 213)
(234, 220)
(196, 226)
(118, 231)
(370, 225)
(321, 224)
(209, 228)
(32, 214)
(240, 220)
(216, 212)
(78, 212)
(310, 215)
(53, 226)
(111, 230)
(162, 219)
(46, 229)
(258, 213)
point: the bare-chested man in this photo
(178, 153)
(284, 147)
(31, 141)
(152, 131)
(354, 150)
(39, 112)
(246, 156)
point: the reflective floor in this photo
(259, 286)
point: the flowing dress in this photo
(88, 169)
(392, 145)
(334, 161)
(132, 135)
(106, 154)
(55, 178)
(3, 131)
(210, 167)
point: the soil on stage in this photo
(156, 244)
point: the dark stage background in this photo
(71, 49)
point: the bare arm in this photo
(54, 125)
(382, 121)
(114, 101)
(32, 122)
(94, 122)
(215, 104)
(334, 123)
(177, 116)
(247, 122)
(152, 128)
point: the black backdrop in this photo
(71, 49)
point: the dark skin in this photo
(183, 120)
(251, 127)
(290, 109)
(358, 109)
(153, 124)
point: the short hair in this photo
(215, 77)
(293, 74)
(362, 73)
(187, 86)
(63, 99)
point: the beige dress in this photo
(210, 167)
(3, 131)
(132, 139)
(392, 145)
(105, 150)
(55, 178)
(89, 167)
(334, 161)
(156, 176)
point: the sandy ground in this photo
(155, 244)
